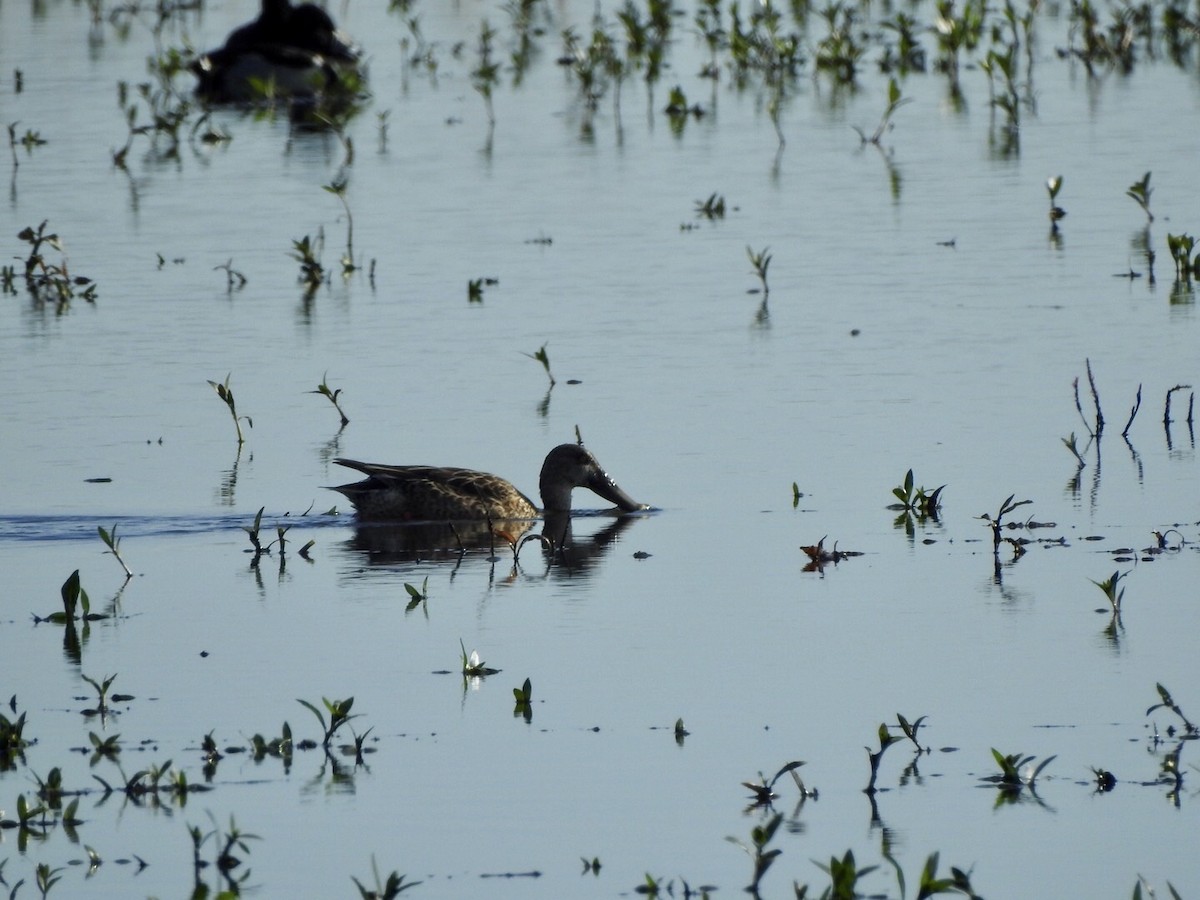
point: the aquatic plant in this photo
(307, 252)
(844, 876)
(763, 791)
(919, 501)
(760, 837)
(760, 261)
(1181, 247)
(29, 140)
(337, 187)
(1169, 703)
(46, 878)
(331, 395)
(712, 208)
(1053, 186)
(1109, 587)
(929, 885)
(51, 282)
(486, 75)
(1137, 890)
(225, 392)
(886, 739)
(339, 715)
(1010, 780)
(544, 358)
(895, 101)
(1140, 192)
(997, 523)
(113, 543)
(472, 665)
(395, 885)
(281, 747)
(523, 696)
(418, 594)
(104, 748)
(101, 687)
(12, 736)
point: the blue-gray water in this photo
(882, 350)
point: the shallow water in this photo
(881, 349)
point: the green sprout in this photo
(307, 252)
(1140, 192)
(332, 396)
(845, 875)
(101, 688)
(895, 101)
(1010, 780)
(544, 358)
(339, 715)
(760, 261)
(418, 594)
(523, 696)
(114, 546)
(225, 392)
(338, 189)
(393, 887)
(918, 501)
(1109, 586)
(486, 75)
(763, 791)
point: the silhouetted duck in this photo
(437, 494)
(297, 49)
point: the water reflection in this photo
(563, 552)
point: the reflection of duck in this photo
(437, 494)
(386, 543)
(297, 49)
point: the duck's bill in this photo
(608, 489)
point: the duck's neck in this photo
(556, 495)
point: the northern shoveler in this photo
(432, 493)
(296, 49)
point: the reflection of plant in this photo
(760, 836)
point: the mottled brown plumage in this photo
(434, 493)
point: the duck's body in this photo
(297, 50)
(431, 493)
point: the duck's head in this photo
(569, 466)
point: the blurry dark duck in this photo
(431, 493)
(295, 51)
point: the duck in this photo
(297, 49)
(434, 493)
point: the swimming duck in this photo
(297, 49)
(432, 493)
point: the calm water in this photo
(882, 349)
